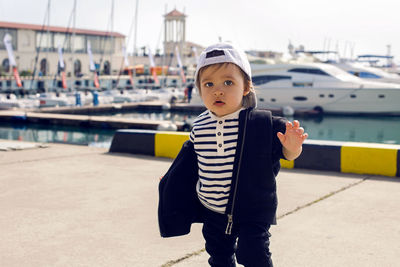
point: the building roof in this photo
(175, 13)
(35, 27)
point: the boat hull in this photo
(333, 100)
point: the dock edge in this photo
(346, 157)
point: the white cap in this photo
(227, 53)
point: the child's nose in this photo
(218, 92)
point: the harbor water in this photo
(372, 129)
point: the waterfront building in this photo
(29, 41)
(36, 47)
(175, 37)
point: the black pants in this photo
(249, 241)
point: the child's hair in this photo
(248, 100)
(248, 85)
(220, 55)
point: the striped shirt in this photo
(215, 139)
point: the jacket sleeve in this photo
(278, 125)
(178, 205)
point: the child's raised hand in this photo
(294, 136)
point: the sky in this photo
(367, 26)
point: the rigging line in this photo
(47, 13)
(63, 47)
(103, 40)
(159, 36)
(68, 30)
(111, 42)
(126, 49)
(103, 43)
(163, 81)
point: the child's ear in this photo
(247, 87)
(246, 90)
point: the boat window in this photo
(263, 79)
(381, 96)
(302, 84)
(365, 74)
(353, 96)
(300, 98)
(369, 75)
(309, 71)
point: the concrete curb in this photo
(346, 157)
(102, 122)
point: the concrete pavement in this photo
(70, 205)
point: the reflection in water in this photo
(353, 129)
(375, 129)
(157, 115)
(65, 135)
(348, 128)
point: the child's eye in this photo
(228, 82)
(209, 84)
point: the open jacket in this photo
(253, 188)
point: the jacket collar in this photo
(230, 116)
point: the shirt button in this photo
(220, 122)
(220, 145)
(219, 133)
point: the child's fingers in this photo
(281, 136)
(304, 136)
(296, 124)
(300, 130)
(289, 125)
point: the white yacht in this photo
(52, 99)
(322, 87)
(368, 73)
(10, 101)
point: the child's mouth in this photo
(219, 103)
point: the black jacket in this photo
(253, 189)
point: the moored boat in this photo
(322, 87)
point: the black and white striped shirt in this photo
(215, 140)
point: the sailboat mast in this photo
(111, 43)
(135, 34)
(112, 34)
(48, 45)
(164, 75)
(73, 46)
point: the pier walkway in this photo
(65, 205)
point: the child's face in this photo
(222, 88)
